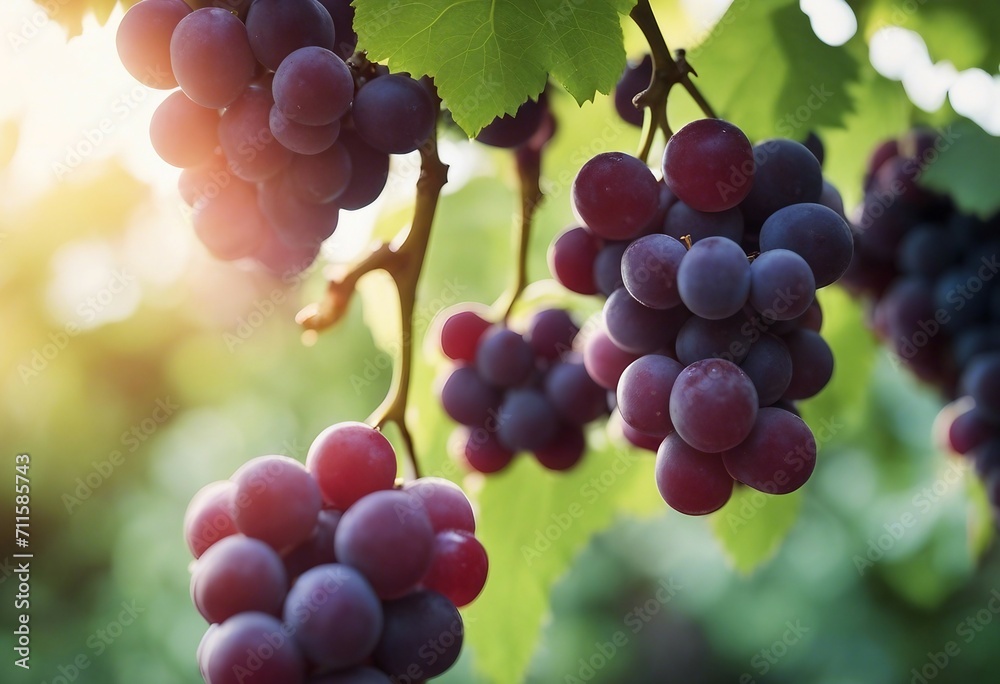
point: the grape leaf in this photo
(764, 69)
(488, 58)
(752, 525)
(967, 169)
(70, 13)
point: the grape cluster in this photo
(710, 327)
(512, 392)
(930, 270)
(331, 572)
(276, 133)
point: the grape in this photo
(246, 138)
(953, 295)
(981, 381)
(769, 367)
(207, 179)
(335, 616)
(461, 331)
(778, 456)
(564, 450)
(459, 569)
(297, 223)
(394, 114)
(571, 259)
(481, 450)
(211, 57)
(284, 260)
(504, 358)
(608, 267)
(446, 504)
(782, 285)
(574, 395)
(787, 173)
(422, 636)
(317, 549)
(691, 482)
(713, 405)
(356, 675)
(350, 460)
(236, 575)
(709, 165)
(649, 270)
(986, 459)
(511, 131)
(277, 28)
(467, 398)
(729, 338)
(831, 199)
(968, 430)
(205, 650)
(812, 364)
(970, 343)
(812, 319)
(604, 360)
(883, 153)
(815, 145)
(551, 333)
(300, 138)
(615, 195)
(714, 278)
(320, 178)
(644, 393)
(343, 24)
(388, 537)
(527, 420)
(637, 328)
(183, 133)
(369, 172)
(278, 501)
(815, 233)
(637, 438)
(257, 641)
(143, 41)
(209, 516)
(229, 223)
(313, 86)
(634, 80)
(682, 220)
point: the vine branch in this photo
(668, 71)
(529, 171)
(403, 260)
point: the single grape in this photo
(229, 223)
(551, 333)
(394, 114)
(300, 138)
(563, 451)
(604, 360)
(649, 270)
(527, 420)
(512, 131)
(317, 549)
(504, 357)
(787, 174)
(297, 223)
(369, 173)
(283, 260)
(258, 641)
(236, 575)
(644, 393)
(713, 279)
(812, 363)
(615, 195)
(782, 285)
(459, 331)
(211, 57)
(205, 180)
(183, 133)
(459, 569)
(729, 339)
(343, 24)
(634, 80)
(320, 178)
(143, 41)
(981, 381)
(778, 456)
(467, 398)
(691, 482)
(574, 395)
(608, 267)
(769, 367)
(447, 505)
(246, 138)
(209, 516)
(571, 259)
(636, 328)
(277, 28)
(831, 199)
(313, 86)
(422, 636)
(350, 460)
(709, 165)
(480, 450)
(713, 405)
(634, 437)
(277, 501)
(682, 220)
(814, 144)
(815, 233)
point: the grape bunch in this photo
(275, 131)
(929, 271)
(332, 573)
(512, 392)
(710, 328)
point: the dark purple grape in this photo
(608, 267)
(229, 223)
(574, 395)
(713, 405)
(604, 360)
(459, 569)
(778, 456)
(969, 431)
(369, 172)
(709, 165)
(504, 357)
(571, 259)
(782, 285)
(349, 461)
(211, 57)
(183, 133)
(682, 220)
(634, 80)
(564, 451)
(284, 260)
(812, 363)
(236, 575)
(691, 482)
(253, 643)
(636, 438)
(981, 339)
(313, 86)
(209, 516)
(317, 549)
(320, 178)
(926, 251)
(394, 114)
(277, 501)
(334, 615)
(422, 636)
(468, 399)
(388, 537)
(343, 24)
(814, 144)
(481, 450)
(644, 393)
(143, 41)
(787, 174)
(446, 504)
(769, 367)
(527, 421)
(959, 300)
(511, 131)
(245, 135)
(714, 278)
(277, 28)
(637, 328)
(300, 138)
(615, 195)
(815, 233)
(461, 330)
(297, 223)
(551, 333)
(729, 339)
(649, 270)
(831, 199)
(981, 381)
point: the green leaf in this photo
(487, 58)
(967, 169)
(764, 69)
(752, 526)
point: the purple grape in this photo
(527, 421)
(277, 501)
(782, 285)
(297, 223)
(229, 223)
(211, 57)
(608, 267)
(461, 330)
(969, 431)
(644, 393)
(143, 41)
(504, 357)
(356, 675)
(313, 86)
(729, 339)
(812, 364)
(481, 450)
(446, 504)
(317, 549)
(209, 516)
(246, 138)
(300, 138)
(769, 367)
(639, 329)
(649, 270)
(511, 131)
(778, 456)
(709, 165)
(459, 569)
(604, 360)
(422, 637)
(369, 173)
(713, 405)
(349, 461)
(551, 333)
(634, 80)
(981, 381)
(815, 233)
(564, 451)
(571, 259)
(831, 199)
(574, 395)
(277, 28)
(615, 195)
(320, 178)
(815, 145)
(691, 482)
(714, 278)
(184, 134)
(343, 24)
(236, 575)
(253, 643)
(394, 114)
(468, 399)
(682, 220)
(787, 174)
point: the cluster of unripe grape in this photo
(276, 133)
(930, 272)
(332, 572)
(710, 327)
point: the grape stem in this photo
(529, 171)
(668, 70)
(403, 260)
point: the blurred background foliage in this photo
(135, 369)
